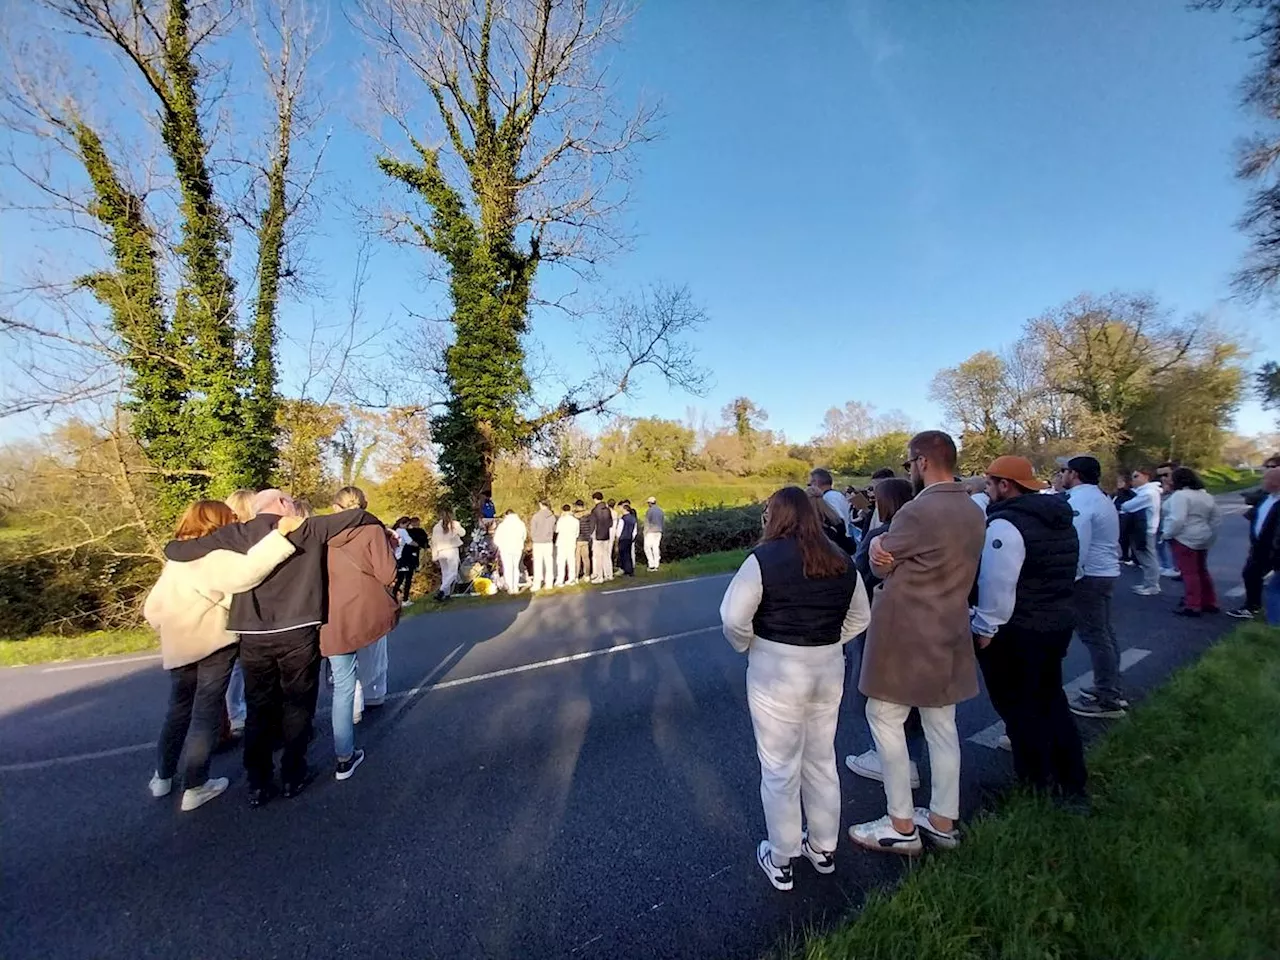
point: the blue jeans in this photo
(1164, 555)
(1271, 600)
(343, 667)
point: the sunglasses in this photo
(906, 464)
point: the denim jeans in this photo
(1165, 556)
(235, 696)
(343, 667)
(195, 715)
(1271, 600)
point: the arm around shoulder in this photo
(229, 572)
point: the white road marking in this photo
(990, 736)
(665, 583)
(526, 667)
(425, 684)
(76, 758)
(100, 663)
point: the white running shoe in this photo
(883, 837)
(868, 765)
(160, 786)
(194, 797)
(1145, 591)
(780, 877)
(823, 862)
(947, 839)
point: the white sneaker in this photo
(1171, 573)
(883, 837)
(1145, 591)
(780, 877)
(947, 839)
(822, 861)
(194, 797)
(868, 765)
(160, 786)
(1004, 743)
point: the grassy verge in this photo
(1181, 857)
(100, 643)
(704, 565)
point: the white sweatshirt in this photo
(446, 544)
(510, 535)
(566, 529)
(188, 606)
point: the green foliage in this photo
(305, 430)
(710, 530)
(1266, 382)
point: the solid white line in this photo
(76, 758)
(541, 664)
(990, 736)
(665, 583)
(100, 663)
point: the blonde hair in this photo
(241, 503)
(202, 518)
(350, 498)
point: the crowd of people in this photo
(557, 550)
(923, 582)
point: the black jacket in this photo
(795, 609)
(1264, 546)
(1047, 582)
(602, 521)
(586, 527)
(295, 594)
(628, 532)
(862, 559)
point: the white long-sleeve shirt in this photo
(1002, 557)
(446, 544)
(566, 529)
(746, 590)
(1146, 498)
(511, 534)
(1098, 527)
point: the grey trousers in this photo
(1092, 599)
(601, 560)
(1145, 554)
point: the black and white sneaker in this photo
(1243, 613)
(946, 839)
(780, 877)
(1099, 709)
(347, 767)
(883, 837)
(822, 861)
(1091, 693)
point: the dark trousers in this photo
(281, 682)
(1023, 670)
(404, 580)
(197, 694)
(626, 558)
(1092, 602)
(1126, 536)
(1253, 574)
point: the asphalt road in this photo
(567, 777)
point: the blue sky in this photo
(861, 193)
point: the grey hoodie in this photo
(542, 527)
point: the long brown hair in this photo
(790, 515)
(201, 518)
(892, 495)
(446, 520)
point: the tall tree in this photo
(530, 170)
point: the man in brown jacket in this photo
(919, 650)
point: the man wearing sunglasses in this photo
(1146, 502)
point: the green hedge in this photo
(710, 530)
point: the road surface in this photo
(567, 777)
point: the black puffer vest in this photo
(795, 609)
(1049, 571)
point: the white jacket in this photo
(1191, 518)
(188, 606)
(511, 534)
(446, 544)
(566, 529)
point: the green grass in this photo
(1180, 859)
(100, 643)
(700, 566)
(1228, 479)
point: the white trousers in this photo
(544, 565)
(886, 721)
(652, 551)
(511, 568)
(565, 572)
(794, 697)
(448, 571)
(371, 671)
(601, 560)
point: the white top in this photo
(1264, 508)
(566, 528)
(1002, 557)
(840, 505)
(1098, 526)
(742, 600)
(981, 499)
(1146, 498)
(446, 544)
(511, 534)
(404, 540)
(1192, 518)
(189, 604)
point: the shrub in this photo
(711, 529)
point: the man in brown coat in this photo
(919, 650)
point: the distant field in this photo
(677, 493)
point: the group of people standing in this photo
(254, 584)
(944, 579)
(576, 544)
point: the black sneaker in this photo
(347, 767)
(1243, 613)
(261, 796)
(1099, 709)
(292, 789)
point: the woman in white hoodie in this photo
(188, 607)
(446, 541)
(1191, 527)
